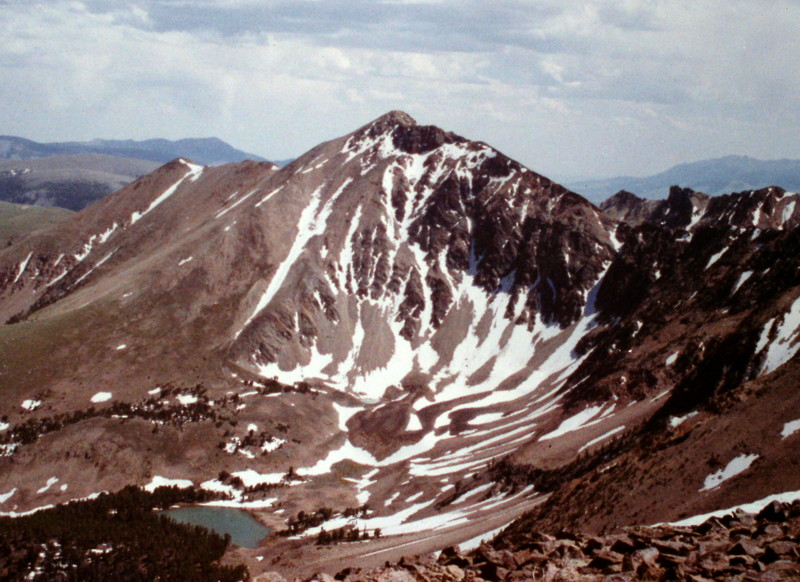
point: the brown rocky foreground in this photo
(738, 546)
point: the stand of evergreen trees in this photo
(117, 536)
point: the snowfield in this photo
(752, 507)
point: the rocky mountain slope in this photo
(714, 177)
(406, 331)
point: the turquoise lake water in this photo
(245, 531)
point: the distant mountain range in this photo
(209, 151)
(714, 177)
(73, 175)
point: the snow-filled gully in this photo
(440, 455)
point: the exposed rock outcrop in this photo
(738, 546)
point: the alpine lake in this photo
(244, 530)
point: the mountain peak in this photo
(396, 117)
(387, 123)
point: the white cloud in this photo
(569, 87)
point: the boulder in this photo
(396, 575)
(674, 547)
(453, 572)
(623, 545)
(603, 559)
(452, 555)
(568, 549)
(746, 547)
(773, 512)
(770, 532)
(635, 560)
(781, 549)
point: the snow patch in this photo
(194, 171)
(752, 507)
(31, 405)
(790, 428)
(268, 196)
(272, 445)
(251, 478)
(102, 397)
(602, 437)
(22, 267)
(218, 486)
(697, 215)
(473, 543)
(121, 346)
(104, 236)
(50, 482)
(675, 421)
(414, 497)
(400, 523)
(736, 466)
(159, 481)
(225, 211)
(672, 358)
(344, 413)
(186, 399)
(348, 451)
(97, 264)
(486, 418)
(413, 423)
(742, 278)
(716, 257)
(787, 211)
(787, 339)
(308, 226)
(573, 423)
(6, 496)
(44, 507)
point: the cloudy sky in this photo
(569, 88)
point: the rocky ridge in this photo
(736, 547)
